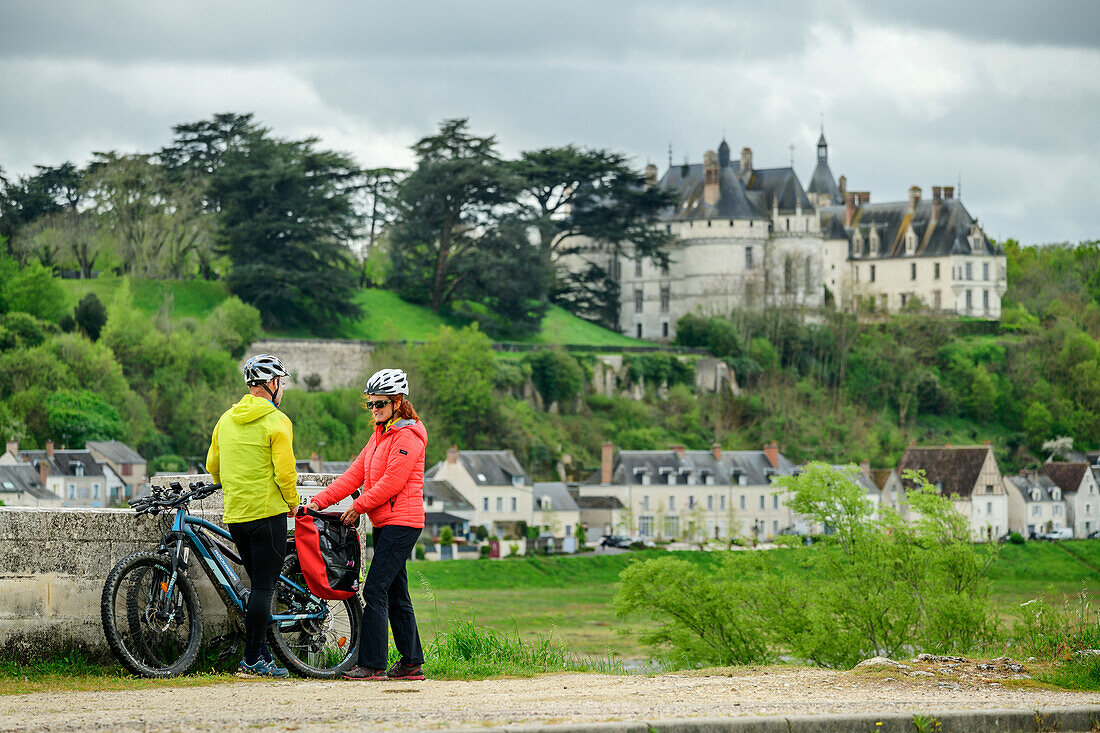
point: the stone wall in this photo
(335, 362)
(55, 561)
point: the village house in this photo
(677, 494)
(1081, 492)
(1035, 504)
(600, 515)
(73, 475)
(556, 512)
(125, 462)
(494, 483)
(891, 489)
(21, 485)
(970, 477)
(444, 506)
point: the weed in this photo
(926, 724)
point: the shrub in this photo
(36, 291)
(484, 551)
(90, 315)
(556, 375)
(446, 537)
(168, 463)
(420, 552)
(1016, 538)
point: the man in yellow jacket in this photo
(252, 455)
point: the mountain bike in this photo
(153, 618)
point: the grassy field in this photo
(385, 316)
(569, 598)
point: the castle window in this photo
(969, 300)
(638, 267)
(985, 271)
(665, 296)
(936, 271)
(664, 329)
(808, 273)
(638, 300)
(788, 276)
(748, 258)
(985, 299)
(913, 271)
(969, 271)
(872, 273)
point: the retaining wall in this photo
(54, 562)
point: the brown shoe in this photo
(363, 674)
(402, 671)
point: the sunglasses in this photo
(376, 405)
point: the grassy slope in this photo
(385, 316)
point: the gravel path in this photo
(554, 699)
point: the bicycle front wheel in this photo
(152, 632)
(321, 647)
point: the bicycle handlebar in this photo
(160, 499)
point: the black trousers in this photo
(262, 547)
(386, 600)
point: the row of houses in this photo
(695, 495)
(100, 474)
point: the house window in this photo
(710, 502)
(127, 469)
(775, 501)
(664, 301)
(969, 271)
(672, 503)
(761, 501)
(72, 491)
(645, 526)
(872, 273)
(638, 267)
(569, 530)
(95, 491)
(912, 270)
(638, 300)
(969, 300)
(936, 271)
(672, 527)
(722, 502)
(937, 301)
(989, 507)
(748, 258)
(775, 527)
(485, 504)
(1057, 510)
(500, 504)
(989, 488)
(1034, 510)
(985, 271)
(691, 502)
(513, 505)
(985, 299)
(645, 503)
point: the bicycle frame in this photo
(187, 528)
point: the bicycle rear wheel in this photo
(321, 648)
(151, 633)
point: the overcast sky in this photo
(1002, 94)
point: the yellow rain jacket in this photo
(252, 455)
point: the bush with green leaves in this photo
(557, 376)
(91, 315)
(878, 586)
(446, 536)
(36, 291)
(77, 416)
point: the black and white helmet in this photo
(263, 368)
(388, 382)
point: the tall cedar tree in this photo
(576, 196)
(285, 214)
(447, 207)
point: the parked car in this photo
(1064, 533)
(1094, 535)
(614, 540)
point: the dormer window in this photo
(689, 476)
(769, 474)
(545, 504)
(78, 468)
(1056, 494)
(708, 477)
(1035, 495)
(910, 241)
(517, 481)
(667, 472)
(641, 475)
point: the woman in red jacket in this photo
(390, 471)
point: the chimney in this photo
(865, 468)
(948, 192)
(13, 447)
(650, 175)
(49, 448)
(685, 168)
(716, 451)
(849, 209)
(315, 463)
(864, 197)
(771, 450)
(711, 188)
(678, 450)
(937, 202)
(452, 454)
(746, 164)
(607, 456)
(914, 198)
(43, 471)
(842, 184)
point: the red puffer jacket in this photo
(390, 470)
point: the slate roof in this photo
(443, 518)
(560, 498)
(952, 470)
(598, 502)
(630, 465)
(1024, 485)
(863, 481)
(23, 478)
(487, 467)
(63, 461)
(822, 180)
(737, 199)
(950, 235)
(115, 451)
(1068, 476)
(442, 492)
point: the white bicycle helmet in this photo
(263, 368)
(387, 382)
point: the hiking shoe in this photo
(261, 668)
(364, 674)
(402, 671)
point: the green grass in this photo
(189, 298)
(385, 316)
(74, 671)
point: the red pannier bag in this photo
(329, 553)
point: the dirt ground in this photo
(931, 685)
